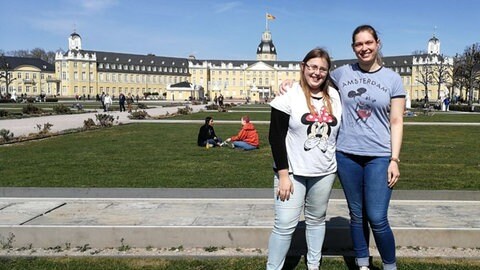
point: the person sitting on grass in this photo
(206, 135)
(247, 137)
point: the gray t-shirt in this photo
(366, 97)
(311, 139)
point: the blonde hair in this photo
(316, 53)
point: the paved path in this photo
(25, 126)
(215, 217)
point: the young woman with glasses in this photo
(303, 129)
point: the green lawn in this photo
(236, 263)
(166, 155)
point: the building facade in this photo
(86, 72)
(27, 76)
(80, 72)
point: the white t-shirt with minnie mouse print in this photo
(311, 139)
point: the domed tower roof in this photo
(266, 47)
(433, 46)
(74, 34)
(266, 50)
(74, 41)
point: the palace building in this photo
(89, 72)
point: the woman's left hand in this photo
(393, 174)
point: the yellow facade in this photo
(88, 73)
(31, 77)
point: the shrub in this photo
(142, 106)
(184, 111)
(31, 109)
(88, 124)
(5, 135)
(212, 107)
(139, 115)
(105, 120)
(45, 129)
(7, 101)
(61, 109)
(3, 113)
(464, 108)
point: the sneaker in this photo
(363, 268)
(223, 144)
(232, 146)
(208, 145)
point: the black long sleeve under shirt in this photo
(276, 136)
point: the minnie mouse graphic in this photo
(319, 128)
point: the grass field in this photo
(246, 263)
(166, 155)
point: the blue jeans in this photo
(364, 180)
(313, 194)
(244, 145)
(214, 142)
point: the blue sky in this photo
(212, 29)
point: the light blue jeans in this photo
(310, 194)
(364, 181)
(244, 145)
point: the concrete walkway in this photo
(25, 126)
(230, 218)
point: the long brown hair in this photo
(316, 53)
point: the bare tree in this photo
(459, 81)
(5, 73)
(425, 79)
(441, 72)
(36, 53)
(469, 69)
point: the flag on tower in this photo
(270, 16)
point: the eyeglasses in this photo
(314, 68)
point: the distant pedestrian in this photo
(107, 102)
(121, 102)
(102, 99)
(129, 102)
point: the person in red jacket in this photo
(247, 138)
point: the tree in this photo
(426, 77)
(36, 53)
(441, 72)
(5, 74)
(468, 70)
(458, 80)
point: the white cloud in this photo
(226, 6)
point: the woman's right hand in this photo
(284, 86)
(285, 186)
